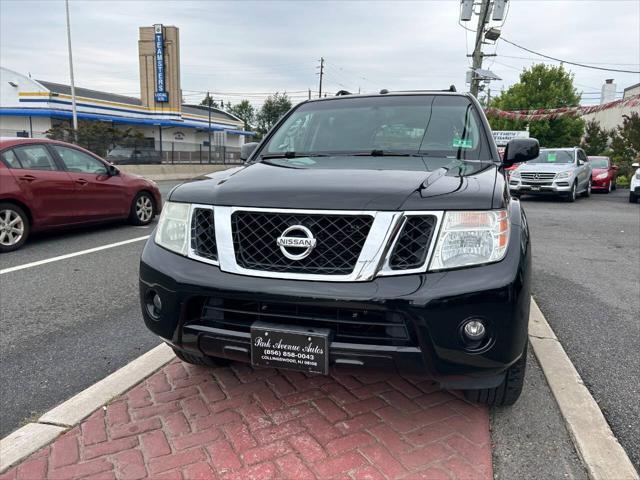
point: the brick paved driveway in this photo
(187, 422)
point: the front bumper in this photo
(433, 306)
(556, 187)
(601, 184)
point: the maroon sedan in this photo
(46, 184)
(603, 174)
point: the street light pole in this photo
(477, 51)
(74, 112)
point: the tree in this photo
(625, 142)
(542, 86)
(274, 107)
(244, 111)
(207, 101)
(98, 137)
(595, 139)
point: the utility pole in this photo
(321, 74)
(209, 129)
(74, 112)
(477, 51)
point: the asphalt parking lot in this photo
(69, 323)
(586, 280)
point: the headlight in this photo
(471, 238)
(173, 227)
(602, 176)
(514, 174)
(566, 174)
(638, 174)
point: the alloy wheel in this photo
(144, 208)
(11, 227)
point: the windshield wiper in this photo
(269, 156)
(387, 153)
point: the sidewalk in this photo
(188, 422)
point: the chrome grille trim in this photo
(373, 260)
(538, 176)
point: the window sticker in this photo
(462, 143)
(551, 157)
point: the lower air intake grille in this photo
(339, 241)
(347, 323)
(203, 234)
(412, 246)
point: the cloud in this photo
(265, 46)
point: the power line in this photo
(589, 63)
(567, 61)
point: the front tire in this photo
(508, 392)
(142, 209)
(587, 192)
(633, 198)
(201, 361)
(572, 194)
(14, 227)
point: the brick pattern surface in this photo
(188, 422)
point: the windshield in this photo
(599, 162)
(430, 125)
(554, 156)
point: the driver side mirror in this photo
(520, 150)
(112, 171)
(247, 149)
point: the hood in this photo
(597, 171)
(545, 167)
(269, 186)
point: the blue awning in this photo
(65, 114)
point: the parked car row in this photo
(47, 184)
(564, 172)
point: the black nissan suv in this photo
(364, 233)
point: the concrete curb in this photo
(601, 453)
(33, 436)
(174, 172)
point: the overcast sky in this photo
(259, 47)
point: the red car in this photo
(603, 174)
(46, 184)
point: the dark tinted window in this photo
(10, 160)
(35, 157)
(79, 162)
(434, 125)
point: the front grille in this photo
(538, 176)
(339, 241)
(411, 249)
(203, 234)
(347, 324)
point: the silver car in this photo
(556, 171)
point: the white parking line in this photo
(71, 255)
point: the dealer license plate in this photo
(290, 347)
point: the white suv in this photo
(634, 186)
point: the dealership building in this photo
(180, 132)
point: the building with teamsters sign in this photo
(180, 132)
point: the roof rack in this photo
(451, 88)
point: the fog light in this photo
(153, 304)
(474, 330)
(157, 302)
